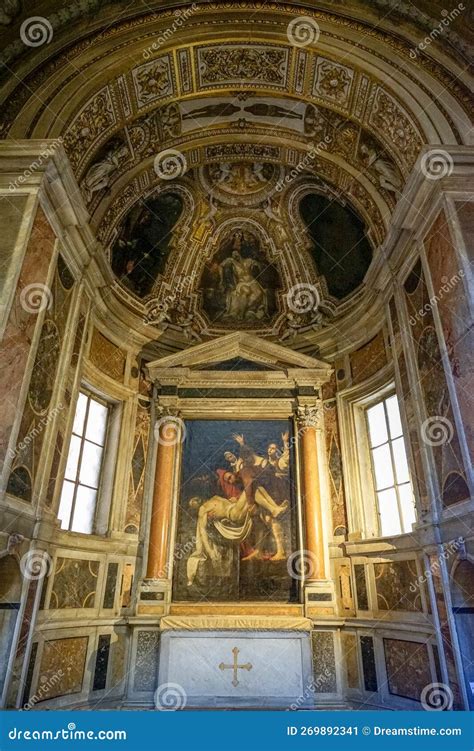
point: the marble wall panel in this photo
(450, 287)
(107, 357)
(408, 667)
(445, 630)
(361, 587)
(110, 586)
(432, 382)
(30, 294)
(137, 469)
(101, 662)
(396, 585)
(118, 653)
(368, 663)
(146, 663)
(368, 359)
(62, 666)
(336, 477)
(349, 649)
(37, 412)
(74, 584)
(324, 662)
(12, 209)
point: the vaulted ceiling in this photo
(241, 109)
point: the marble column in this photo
(307, 418)
(168, 435)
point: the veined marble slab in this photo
(199, 666)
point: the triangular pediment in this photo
(237, 349)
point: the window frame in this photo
(90, 395)
(396, 485)
(362, 502)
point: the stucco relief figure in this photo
(243, 515)
(239, 284)
(99, 175)
(384, 169)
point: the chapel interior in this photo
(236, 355)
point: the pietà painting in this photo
(236, 524)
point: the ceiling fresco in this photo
(212, 158)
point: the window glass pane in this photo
(90, 464)
(65, 504)
(400, 458)
(394, 419)
(383, 467)
(81, 405)
(73, 457)
(377, 425)
(96, 422)
(84, 510)
(407, 506)
(389, 517)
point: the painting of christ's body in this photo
(240, 514)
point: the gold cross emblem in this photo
(235, 666)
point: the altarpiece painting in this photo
(237, 514)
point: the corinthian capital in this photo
(166, 411)
(308, 416)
